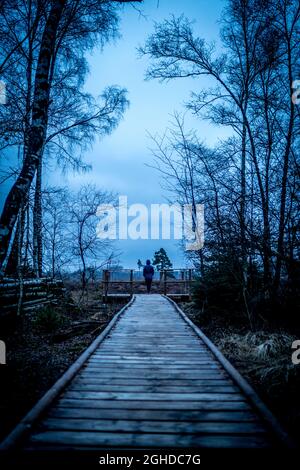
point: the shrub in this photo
(219, 290)
(48, 320)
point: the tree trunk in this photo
(284, 179)
(37, 224)
(243, 199)
(12, 264)
(53, 245)
(37, 133)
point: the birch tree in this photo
(76, 23)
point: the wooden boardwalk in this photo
(151, 382)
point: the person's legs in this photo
(148, 284)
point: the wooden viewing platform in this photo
(121, 284)
(151, 379)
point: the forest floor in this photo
(262, 357)
(42, 345)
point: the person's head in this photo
(148, 262)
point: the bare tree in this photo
(86, 246)
(57, 252)
(79, 24)
(260, 52)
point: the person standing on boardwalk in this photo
(148, 273)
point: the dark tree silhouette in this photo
(248, 182)
(161, 260)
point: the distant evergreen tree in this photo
(161, 260)
(140, 264)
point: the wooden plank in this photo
(145, 346)
(151, 344)
(150, 367)
(75, 387)
(130, 374)
(157, 357)
(150, 348)
(155, 415)
(82, 440)
(143, 426)
(114, 373)
(153, 405)
(154, 396)
(155, 336)
(168, 371)
(154, 354)
(161, 364)
(143, 360)
(155, 382)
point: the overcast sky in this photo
(120, 160)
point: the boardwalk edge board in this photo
(24, 426)
(268, 417)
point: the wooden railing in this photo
(166, 281)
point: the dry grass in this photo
(264, 358)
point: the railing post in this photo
(165, 281)
(131, 282)
(105, 283)
(190, 282)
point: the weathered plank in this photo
(154, 405)
(180, 382)
(86, 395)
(143, 361)
(194, 359)
(172, 427)
(115, 373)
(155, 415)
(97, 440)
(149, 367)
(151, 388)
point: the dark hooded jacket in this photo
(148, 271)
